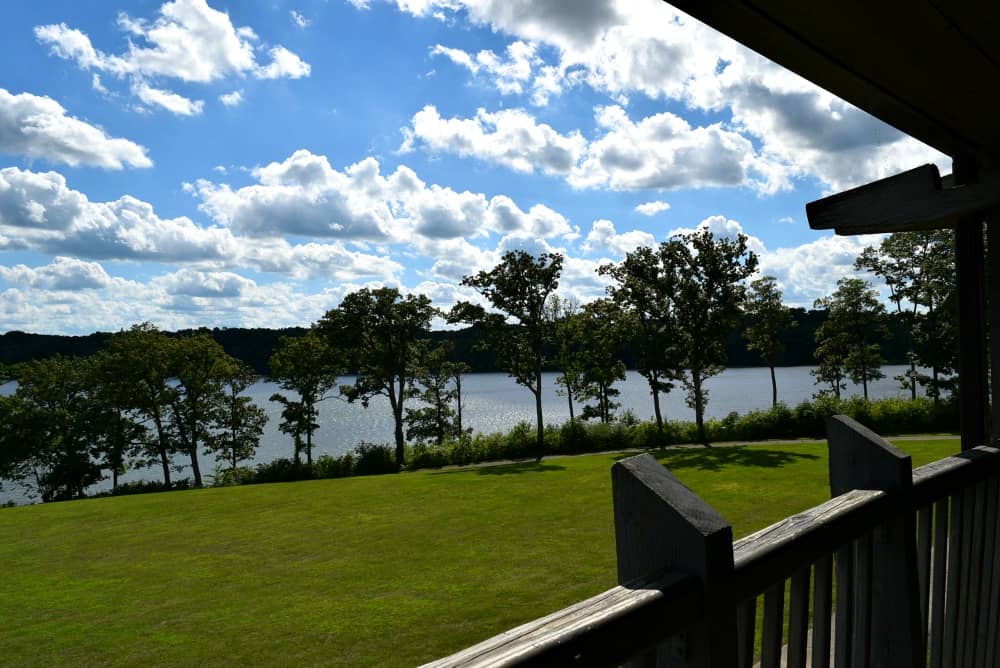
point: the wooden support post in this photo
(661, 525)
(993, 236)
(860, 459)
(972, 363)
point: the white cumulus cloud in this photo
(188, 41)
(38, 127)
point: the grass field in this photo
(388, 570)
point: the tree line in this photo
(145, 397)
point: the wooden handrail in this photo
(601, 630)
(626, 621)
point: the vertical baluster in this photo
(822, 608)
(940, 558)
(924, 521)
(953, 583)
(746, 627)
(845, 596)
(965, 580)
(774, 620)
(862, 601)
(798, 619)
(993, 555)
(985, 529)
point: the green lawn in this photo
(389, 570)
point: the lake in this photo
(494, 402)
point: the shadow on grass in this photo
(507, 469)
(714, 459)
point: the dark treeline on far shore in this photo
(254, 346)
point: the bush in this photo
(374, 459)
(327, 466)
(243, 475)
(282, 470)
(149, 487)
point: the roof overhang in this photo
(930, 69)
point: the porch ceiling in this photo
(930, 69)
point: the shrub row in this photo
(807, 420)
(884, 416)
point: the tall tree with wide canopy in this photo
(145, 357)
(118, 430)
(644, 285)
(518, 288)
(309, 367)
(709, 291)
(383, 335)
(603, 328)
(919, 270)
(855, 323)
(201, 368)
(767, 319)
(46, 438)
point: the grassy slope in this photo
(386, 570)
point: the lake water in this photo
(494, 402)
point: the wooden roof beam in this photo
(918, 199)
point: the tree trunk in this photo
(864, 385)
(569, 398)
(458, 397)
(699, 407)
(913, 380)
(232, 443)
(540, 444)
(309, 448)
(656, 403)
(195, 468)
(774, 389)
(162, 448)
(934, 380)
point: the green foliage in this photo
(709, 291)
(239, 421)
(644, 286)
(375, 459)
(307, 366)
(143, 358)
(847, 341)
(519, 288)
(45, 438)
(197, 402)
(441, 381)
(767, 320)
(380, 332)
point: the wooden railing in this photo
(900, 568)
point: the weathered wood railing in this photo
(900, 568)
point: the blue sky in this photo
(248, 163)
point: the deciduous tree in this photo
(145, 358)
(644, 286)
(518, 288)
(848, 339)
(309, 367)
(709, 290)
(239, 421)
(767, 319)
(382, 334)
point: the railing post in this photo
(860, 459)
(662, 525)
